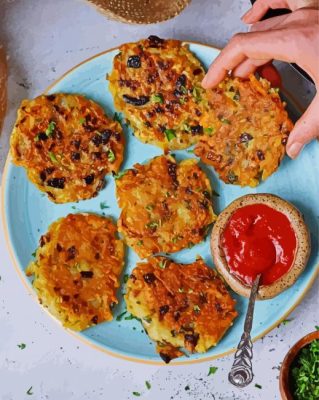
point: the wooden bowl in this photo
(285, 368)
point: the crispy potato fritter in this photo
(67, 145)
(180, 306)
(156, 83)
(250, 131)
(77, 268)
(166, 206)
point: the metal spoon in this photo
(241, 373)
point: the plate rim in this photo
(89, 341)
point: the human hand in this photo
(292, 38)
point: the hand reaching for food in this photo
(293, 38)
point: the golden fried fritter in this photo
(250, 130)
(165, 206)
(156, 83)
(180, 306)
(77, 268)
(67, 145)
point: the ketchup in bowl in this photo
(258, 239)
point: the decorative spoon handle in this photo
(241, 373)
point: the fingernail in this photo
(246, 15)
(294, 149)
(204, 81)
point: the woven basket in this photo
(140, 11)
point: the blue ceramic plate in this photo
(27, 214)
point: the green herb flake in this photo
(209, 131)
(29, 391)
(152, 225)
(182, 100)
(212, 370)
(111, 156)
(119, 175)
(53, 157)
(82, 121)
(22, 346)
(162, 264)
(148, 385)
(120, 316)
(130, 317)
(225, 121)
(183, 89)
(196, 92)
(117, 117)
(286, 321)
(196, 308)
(137, 394)
(150, 207)
(36, 138)
(103, 205)
(50, 129)
(190, 151)
(317, 327)
(125, 278)
(236, 96)
(258, 386)
(34, 253)
(157, 98)
(170, 134)
(139, 242)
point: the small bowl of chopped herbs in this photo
(299, 373)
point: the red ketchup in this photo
(258, 239)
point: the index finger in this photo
(255, 45)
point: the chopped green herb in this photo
(29, 391)
(53, 157)
(130, 317)
(150, 207)
(258, 386)
(137, 394)
(82, 121)
(125, 278)
(111, 156)
(209, 131)
(120, 316)
(183, 89)
(117, 117)
(212, 370)
(21, 346)
(162, 264)
(36, 138)
(196, 92)
(119, 174)
(186, 127)
(236, 96)
(305, 372)
(170, 134)
(139, 242)
(152, 225)
(50, 129)
(191, 151)
(182, 100)
(34, 253)
(103, 205)
(286, 321)
(147, 319)
(225, 121)
(190, 245)
(317, 327)
(157, 98)
(196, 308)
(148, 385)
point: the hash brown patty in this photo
(67, 145)
(156, 83)
(250, 131)
(76, 269)
(166, 206)
(180, 306)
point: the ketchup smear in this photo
(258, 239)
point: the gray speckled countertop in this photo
(45, 38)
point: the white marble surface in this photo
(45, 38)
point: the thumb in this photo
(306, 129)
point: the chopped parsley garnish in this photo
(191, 151)
(286, 321)
(50, 129)
(317, 327)
(53, 157)
(196, 308)
(119, 175)
(120, 316)
(258, 386)
(130, 317)
(305, 372)
(125, 278)
(137, 394)
(196, 92)
(150, 207)
(209, 131)
(186, 127)
(183, 89)
(111, 156)
(212, 370)
(22, 346)
(103, 205)
(152, 225)
(139, 242)
(148, 385)
(182, 100)
(170, 134)
(177, 238)
(157, 98)
(29, 391)
(82, 121)
(34, 253)
(225, 121)
(162, 264)
(117, 117)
